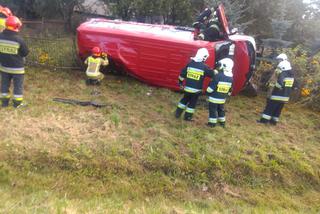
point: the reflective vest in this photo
(94, 64)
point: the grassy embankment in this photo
(133, 156)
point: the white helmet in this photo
(282, 57)
(284, 66)
(226, 64)
(202, 55)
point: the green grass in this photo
(134, 157)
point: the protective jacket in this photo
(283, 87)
(194, 74)
(94, 64)
(220, 87)
(212, 31)
(12, 51)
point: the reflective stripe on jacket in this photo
(283, 87)
(12, 51)
(12, 70)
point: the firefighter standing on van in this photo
(12, 52)
(280, 93)
(94, 62)
(219, 89)
(193, 75)
(4, 13)
(207, 26)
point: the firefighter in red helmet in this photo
(94, 62)
(4, 13)
(12, 52)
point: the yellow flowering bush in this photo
(43, 58)
(307, 73)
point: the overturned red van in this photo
(155, 54)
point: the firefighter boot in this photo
(88, 81)
(263, 121)
(95, 82)
(222, 124)
(211, 125)
(17, 103)
(273, 122)
(5, 102)
(188, 116)
(178, 113)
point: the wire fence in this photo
(50, 45)
(52, 52)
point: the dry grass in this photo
(134, 157)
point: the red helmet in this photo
(96, 51)
(13, 23)
(6, 11)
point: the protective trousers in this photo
(187, 103)
(215, 108)
(17, 88)
(272, 111)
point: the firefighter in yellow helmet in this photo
(4, 13)
(94, 62)
(12, 52)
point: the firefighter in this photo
(201, 22)
(212, 32)
(12, 52)
(280, 92)
(218, 90)
(192, 75)
(4, 13)
(94, 62)
(207, 26)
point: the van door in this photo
(223, 21)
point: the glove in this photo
(277, 85)
(104, 55)
(201, 36)
(270, 84)
(181, 87)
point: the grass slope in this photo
(134, 157)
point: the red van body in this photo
(155, 54)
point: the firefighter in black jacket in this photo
(280, 93)
(12, 52)
(207, 26)
(193, 75)
(218, 90)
